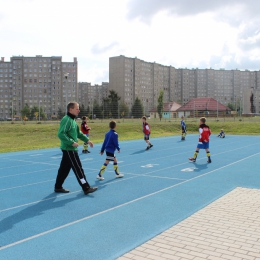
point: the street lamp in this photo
(66, 75)
(39, 111)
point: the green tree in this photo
(82, 112)
(25, 112)
(33, 112)
(231, 106)
(97, 111)
(106, 108)
(114, 103)
(137, 109)
(160, 105)
(123, 109)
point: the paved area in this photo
(228, 228)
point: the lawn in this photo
(18, 136)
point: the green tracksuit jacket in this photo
(69, 133)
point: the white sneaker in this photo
(100, 178)
(120, 175)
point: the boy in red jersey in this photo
(85, 130)
(203, 140)
(147, 132)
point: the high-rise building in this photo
(45, 82)
(132, 77)
(88, 93)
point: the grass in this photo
(16, 136)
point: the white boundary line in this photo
(119, 206)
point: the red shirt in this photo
(204, 133)
(84, 128)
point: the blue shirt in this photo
(110, 143)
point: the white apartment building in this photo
(132, 77)
(45, 82)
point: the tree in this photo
(231, 106)
(82, 111)
(160, 105)
(33, 112)
(114, 103)
(123, 109)
(25, 112)
(137, 109)
(97, 111)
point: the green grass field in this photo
(16, 136)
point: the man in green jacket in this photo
(69, 134)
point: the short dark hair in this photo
(112, 124)
(84, 118)
(71, 105)
(144, 117)
(203, 120)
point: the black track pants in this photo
(70, 160)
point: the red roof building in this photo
(201, 106)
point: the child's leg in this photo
(116, 166)
(208, 155)
(85, 146)
(103, 168)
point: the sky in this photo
(181, 33)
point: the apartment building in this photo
(45, 82)
(132, 77)
(89, 93)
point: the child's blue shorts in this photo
(203, 145)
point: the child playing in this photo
(110, 144)
(183, 129)
(203, 140)
(221, 134)
(147, 131)
(85, 130)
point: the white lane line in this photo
(6, 176)
(38, 154)
(119, 206)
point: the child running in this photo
(85, 130)
(203, 140)
(183, 129)
(147, 132)
(110, 144)
(222, 134)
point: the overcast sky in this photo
(181, 33)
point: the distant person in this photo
(69, 134)
(147, 132)
(205, 133)
(183, 129)
(222, 134)
(110, 145)
(85, 130)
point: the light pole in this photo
(39, 111)
(66, 75)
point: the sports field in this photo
(160, 188)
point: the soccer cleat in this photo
(192, 159)
(209, 160)
(84, 151)
(150, 146)
(90, 190)
(120, 175)
(100, 177)
(87, 151)
(147, 148)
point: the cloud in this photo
(148, 8)
(97, 49)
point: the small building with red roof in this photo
(203, 107)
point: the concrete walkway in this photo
(228, 228)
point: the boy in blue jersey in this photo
(183, 129)
(110, 144)
(221, 134)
